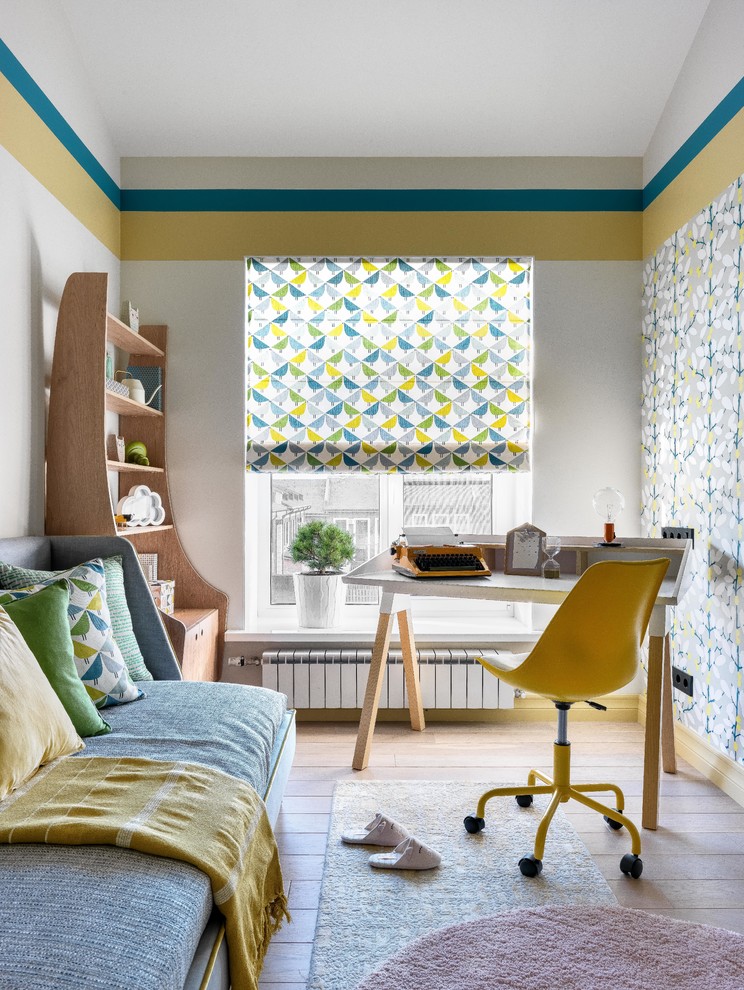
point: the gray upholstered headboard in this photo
(55, 553)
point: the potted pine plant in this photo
(324, 549)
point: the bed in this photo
(105, 917)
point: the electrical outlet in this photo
(682, 681)
(236, 661)
(678, 533)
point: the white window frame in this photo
(511, 506)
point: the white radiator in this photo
(338, 679)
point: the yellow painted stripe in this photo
(718, 165)
(231, 236)
(28, 139)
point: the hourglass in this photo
(551, 568)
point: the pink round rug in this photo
(546, 948)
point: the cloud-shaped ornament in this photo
(144, 506)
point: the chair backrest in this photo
(592, 644)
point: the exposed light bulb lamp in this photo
(608, 504)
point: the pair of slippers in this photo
(409, 853)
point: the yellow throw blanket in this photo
(178, 810)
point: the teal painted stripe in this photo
(17, 76)
(366, 200)
(716, 120)
(379, 200)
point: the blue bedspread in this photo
(226, 726)
(99, 918)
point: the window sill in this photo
(427, 631)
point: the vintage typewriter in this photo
(454, 560)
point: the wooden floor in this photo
(693, 864)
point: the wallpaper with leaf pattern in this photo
(388, 364)
(693, 427)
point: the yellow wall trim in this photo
(555, 236)
(714, 169)
(28, 139)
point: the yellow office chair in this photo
(590, 647)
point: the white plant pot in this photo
(320, 599)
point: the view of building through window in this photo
(353, 502)
(460, 501)
(350, 501)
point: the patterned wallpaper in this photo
(388, 364)
(693, 426)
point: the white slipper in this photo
(381, 831)
(411, 854)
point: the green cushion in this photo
(42, 621)
(121, 620)
(97, 657)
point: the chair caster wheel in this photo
(530, 867)
(473, 824)
(524, 800)
(615, 826)
(631, 865)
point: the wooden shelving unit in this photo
(80, 475)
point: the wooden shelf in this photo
(130, 531)
(124, 466)
(123, 406)
(120, 335)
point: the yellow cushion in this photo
(34, 727)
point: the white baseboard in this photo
(714, 765)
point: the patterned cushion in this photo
(97, 657)
(121, 620)
(35, 727)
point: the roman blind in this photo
(388, 364)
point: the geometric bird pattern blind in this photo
(388, 364)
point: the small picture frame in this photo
(130, 315)
(116, 447)
(524, 550)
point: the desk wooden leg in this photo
(650, 816)
(410, 666)
(372, 694)
(668, 755)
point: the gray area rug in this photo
(366, 915)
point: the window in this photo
(383, 393)
(375, 508)
(350, 501)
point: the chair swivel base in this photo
(561, 790)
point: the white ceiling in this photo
(382, 78)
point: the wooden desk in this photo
(576, 554)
